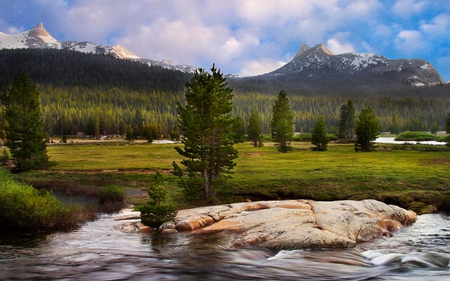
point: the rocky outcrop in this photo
(288, 224)
(294, 224)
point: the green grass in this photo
(404, 177)
(23, 207)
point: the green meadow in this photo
(415, 176)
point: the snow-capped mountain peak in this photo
(35, 38)
(303, 48)
(39, 31)
(123, 53)
(39, 38)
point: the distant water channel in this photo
(99, 251)
(392, 140)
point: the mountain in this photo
(317, 66)
(39, 38)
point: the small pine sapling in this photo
(157, 210)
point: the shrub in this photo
(23, 207)
(415, 136)
(304, 137)
(157, 210)
(111, 193)
(111, 199)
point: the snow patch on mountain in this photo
(365, 60)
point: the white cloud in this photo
(260, 66)
(367, 47)
(438, 26)
(409, 42)
(406, 8)
(337, 48)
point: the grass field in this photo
(417, 177)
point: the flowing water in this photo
(98, 251)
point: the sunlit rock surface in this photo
(294, 224)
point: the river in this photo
(98, 251)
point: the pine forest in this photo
(94, 95)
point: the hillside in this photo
(68, 69)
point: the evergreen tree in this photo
(208, 138)
(254, 128)
(319, 135)
(447, 123)
(25, 135)
(435, 128)
(367, 129)
(147, 131)
(238, 130)
(395, 126)
(282, 122)
(347, 121)
(158, 209)
(130, 133)
(175, 134)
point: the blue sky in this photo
(248, 37)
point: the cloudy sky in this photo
(247, 37)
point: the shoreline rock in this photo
(294, 224)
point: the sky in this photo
(245, 37)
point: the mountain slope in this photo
(39, 38)
(317, 66)
(67, 69)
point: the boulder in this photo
(294, 224)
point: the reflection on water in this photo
(97, 251)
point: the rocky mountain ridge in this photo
(39, 38)
(312, 65)
(311, 68)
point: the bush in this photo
(332, 137)
(303, 137)
(415, 136)
(157, 210)
(23, 207)
(111, 199)
(111, 193)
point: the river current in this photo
(99, 251)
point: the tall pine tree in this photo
(319, 135)
(366, 130)
(208, 137)
(25, 136)
(347, 121)
(254, 128)
(282, 123)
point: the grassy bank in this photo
(414, 177)
(23, 207)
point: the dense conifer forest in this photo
(100, 95)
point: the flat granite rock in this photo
(294, 224)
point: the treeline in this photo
(84, 110)
(100, 95)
